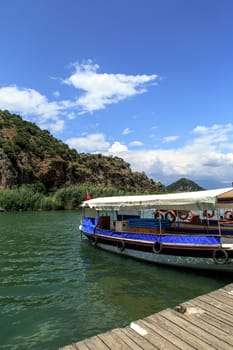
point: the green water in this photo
(56, 289)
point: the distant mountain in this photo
(29, 155)
(183, 185)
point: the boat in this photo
(188, 230)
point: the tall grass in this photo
(20, 199)
(28, 198)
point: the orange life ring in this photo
(184, 216)
(228, 217)
(207, 214)
(225, 223)
(170, 215)
(189, 215)
(158, 214)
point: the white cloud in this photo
(99, 90)
(55, 126)
(118, 148)
(136, 143)
(208, 156)
(71, 115)
(29, 102)
(215, 134)
(56, 94)
(126, 131)
(170, 139)
(202, 158)
(90, 143)
(102, 89)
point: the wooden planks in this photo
(203, 323)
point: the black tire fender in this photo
(157, 247)
(94, 241)
(120, 246)
(220, 256)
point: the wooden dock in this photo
(203, 323)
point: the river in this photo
(56, 289)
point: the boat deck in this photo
(203, 323)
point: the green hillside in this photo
(31, 156)
(184, 185)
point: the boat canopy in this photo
(199, 200)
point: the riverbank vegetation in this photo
(33, 197)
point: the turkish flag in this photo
(88, 196)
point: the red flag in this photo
(88, 196)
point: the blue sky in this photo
(150, 81)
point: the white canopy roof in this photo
(199, 200)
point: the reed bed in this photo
(29, 197)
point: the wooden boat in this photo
(191, 229)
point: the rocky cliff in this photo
(29, 155)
